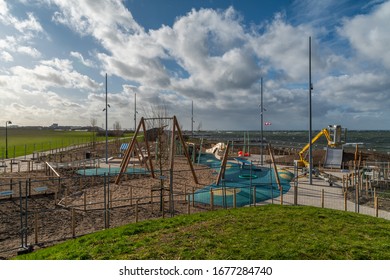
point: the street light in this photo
(6, 138)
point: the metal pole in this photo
(6, 138)
(310, 120)
(135, 111)
(262, 120)
(192, 118)
(106, 123)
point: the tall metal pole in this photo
(6, 138)
(310, 122)
(135, 111)
(192, 118)
(262, 119)
(106, 123)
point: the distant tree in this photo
(117, 129)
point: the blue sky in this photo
(54, 55)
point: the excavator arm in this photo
(325, 132)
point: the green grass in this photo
(266, 232)
(24, 141)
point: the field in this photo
(24, 141)
(267, 232)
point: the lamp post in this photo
(310, 120)
(6, 138)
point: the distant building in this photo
(54, 125)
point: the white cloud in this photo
(369, 34)
(86, 62)
(6, 56)
(29, 24)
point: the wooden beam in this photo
(126, 158)
(175, 123)
(221, 173)
(275, 168)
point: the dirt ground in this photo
(78, 205)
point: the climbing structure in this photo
(133, 145)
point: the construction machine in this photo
(333, 136)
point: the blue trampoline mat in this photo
(112, 171)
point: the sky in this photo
(175, 57)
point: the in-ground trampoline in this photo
(101, 171)
(244, 184)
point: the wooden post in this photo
(131, 196)
(73, 223)
(136, 211)
(211, 200)
(66, 195)
(281, 196)
(323, 198)
(193, 197)
(345, 201)
(36, 227)
(108, 215)
(295, 195)
(376, 206)
(85, 200)
(234, 198)
(163, 208)
(254, 196)
(151, 199)
(188, 205)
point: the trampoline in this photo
(248, 186)
(110, 171)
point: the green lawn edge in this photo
(271, 232)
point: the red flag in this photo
(267, 123)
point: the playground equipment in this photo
(133, 146)
(333, 152)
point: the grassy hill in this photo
(266, 232)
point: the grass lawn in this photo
(24, 141)
(270, 232)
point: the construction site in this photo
(159, 173)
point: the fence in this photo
(44, 210)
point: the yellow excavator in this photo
(333, 136)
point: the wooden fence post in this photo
(193, 197)
(136, 211)
(323, 198)
(345, 201)
(211, 200)
(73, 223)
(234, 198)
(188, 205)
(295, 194)
(36, 227)
(254, 196)
(131, 196)
(85, 201)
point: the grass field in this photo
(24, 141)
(270, 232)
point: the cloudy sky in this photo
(54, 55)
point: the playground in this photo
(75, 191)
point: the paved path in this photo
(311, 195)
